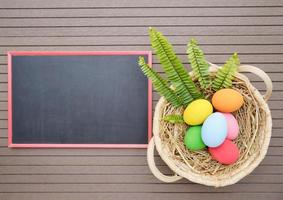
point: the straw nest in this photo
(250, 117)
(255, 124)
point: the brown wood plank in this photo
(276, 77)
(135, 3)
(181, 49)
(116, 179)
(3, 96)
(97, 160)
(81, 160)
(137, 22)
(75, 152)
(3, 133)
(140, 12)
(103, 178)
(143, 188)
(3, 88)
(277, 132)
(3, 114)
(275, 142)
(273, 151)
(140, 196)
(138, 170)
(3, 78)
(220, 59)
(267, 67)
(83, 31)
(141, 40)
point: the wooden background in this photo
(252, 28)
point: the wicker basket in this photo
(255, 124)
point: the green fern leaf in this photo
(225, 75)
(199, 64)
(174, 69)
(174, 119)
(159, 84)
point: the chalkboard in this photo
(78, 99)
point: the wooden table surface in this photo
(254, 28)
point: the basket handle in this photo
(152, 166)
(262, 75)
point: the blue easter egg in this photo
(214, 130)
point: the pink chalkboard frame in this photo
(70, 53)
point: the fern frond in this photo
(174, 69)
(225, 75)
(199, 64)
(159, 83)
(174, 119)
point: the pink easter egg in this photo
(232, 126)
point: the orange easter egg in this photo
(227, 100)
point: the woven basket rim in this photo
(232, 177)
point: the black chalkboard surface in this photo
(92, 99)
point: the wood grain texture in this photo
(118, 31)
(141, 195)
(116, 12)
(134, 4)
(252, 28)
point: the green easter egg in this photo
(193, 139)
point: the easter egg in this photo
(227, 100)
(193, 139)
(232, 126)
(214, 130)
(227, 153)
(197, 111)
